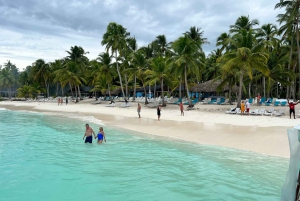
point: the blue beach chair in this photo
(283, 103)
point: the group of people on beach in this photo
(60, 101)
(245, 107)
(89, 132)
(159, 110)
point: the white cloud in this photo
(34, 29)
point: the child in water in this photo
(101, 135)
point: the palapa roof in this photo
(211, 86)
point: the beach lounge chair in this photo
(268, 102)
(283, 103)
(206, 100)
(231, 111)
(269, 112)
(279, 113)
(254, 112)
(226, 102)
(250, 100)
(125, 105)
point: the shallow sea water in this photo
(43, 157)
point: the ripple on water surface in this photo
(44, 158)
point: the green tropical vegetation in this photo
(255, 58)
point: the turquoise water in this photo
(43, 157)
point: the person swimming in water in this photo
(101, 135)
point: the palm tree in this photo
(25, 91)
(115, 40)
(196, 34)
(76, 63)
(106, 70)
(187, 57)
(291, 17)
(159, 72)
(160, 45)
(224, 41)
(243, 23)
(7, 80)
(137, 69)
(246, 58)
(41, 72)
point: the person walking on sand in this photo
(88, 134)
(61, 101)
(292, 107)
(67, 101)
(248, 107)
(242, 107)
(181, 108)
(258, 99)
(158, 112)
(58, 101)
(100, 136)
(139, 110)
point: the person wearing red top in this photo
(258, 99)
(292, 107)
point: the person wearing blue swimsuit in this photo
(101, 136)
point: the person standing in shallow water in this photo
(139, 110)
(101, 136)
(158, 112)
(88, 134)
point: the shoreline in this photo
(249, 133)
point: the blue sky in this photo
(34, 29)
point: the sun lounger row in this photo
(261, 111)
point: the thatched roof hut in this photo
(211, 86)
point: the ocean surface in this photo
(43, 157)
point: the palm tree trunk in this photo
(240, 90)
(298, 50)
(71, 89)
(154, 91)
(288, 90)
(134, 88)
(108, 88)
(119, 74)
(264, 85)
(62, 89)
(249, 90)
(146, 100)
(79, 94)
(162, 92)
(187, 87)
(46, 88)
(126, 86)
(180, 95)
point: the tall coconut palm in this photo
(41, 72)
(187, 57)
(115, 40)
(247, 57)
(292, 16)
(159, 72)
(106, 69)
(243, 23)
(196, 34)
(224, 41)
(7, 80)
(137, 69)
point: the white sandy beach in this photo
(208, 124)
